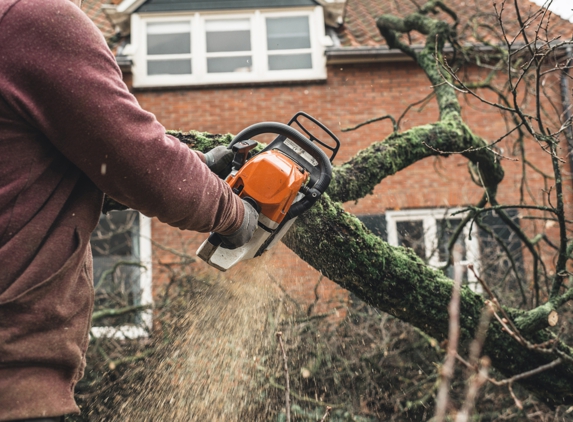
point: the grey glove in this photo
(245, 232)
(219, 160)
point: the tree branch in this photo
(396, 281)
(357, 177)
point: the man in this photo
(70, 130)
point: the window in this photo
(427, 232)
(501, 254)
(376, 224)
(214, 48)
(121, 250)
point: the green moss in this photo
(204, 141)
(358, 177)
(201, 141)
(396, 281)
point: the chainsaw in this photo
(281, 182)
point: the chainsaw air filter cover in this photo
(273, 181)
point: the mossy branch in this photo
(437, 33)
(357, 178)
(396, 281)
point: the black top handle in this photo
(333, 149)
(314, 192)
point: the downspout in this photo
(565, 100)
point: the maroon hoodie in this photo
(70, 130)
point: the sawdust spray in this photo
(209, 371)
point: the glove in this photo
(219, 160)
(245, 232)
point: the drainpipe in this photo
(565, 99)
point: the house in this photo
(220, 66)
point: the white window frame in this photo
(430, 218)
(123, 332)
(199, 75)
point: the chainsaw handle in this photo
(312, 194)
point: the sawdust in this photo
(209, 371)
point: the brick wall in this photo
(351, 95)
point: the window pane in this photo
(290, 61)
(117, 271)
(288, 33)
(169, 38)
(169, 67)
(411, 235)
(451, 273)
(229, 64)
(494, 260)
(446, 229)
(228, 35)
(376, 224)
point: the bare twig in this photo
(474, 149)
(507, 252)
(188, 258)
(113, 312)
(423, 101)
(527, 374)
(111, 271)
(447, 371)
(548, 347)
(316, 297)
(508, 381)
(327, 414)
(514, 397)
(274, 384)
(376, 119)
(287, 388)
(476, 383)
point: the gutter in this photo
(381, 53)
(339, 55)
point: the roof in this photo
(359, 32)
(94, 10)
(359, 29)
(176, 5)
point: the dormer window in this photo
(183, 48)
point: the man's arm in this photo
(58, 73)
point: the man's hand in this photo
(219, 160)
(245, 232)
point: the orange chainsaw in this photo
(281, 182)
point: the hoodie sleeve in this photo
(62, 78)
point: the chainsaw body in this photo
(281, 182)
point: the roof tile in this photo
(360, 16)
